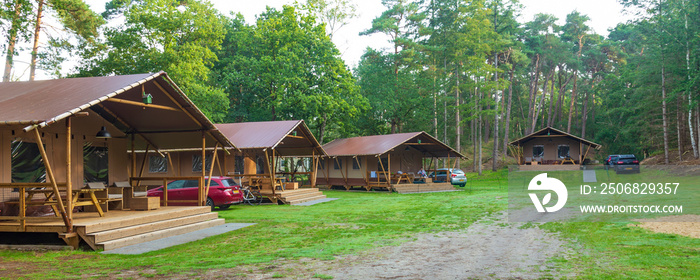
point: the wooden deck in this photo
(297, 196)
(427, 187)
(119, 228)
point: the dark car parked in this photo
(611, 160)
(626, 164)
(223, 192)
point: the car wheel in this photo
(210, 203)
(224, 207)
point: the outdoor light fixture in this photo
(103, 133)
(147, 98)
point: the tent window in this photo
(322, 164)
(157, 164)
(538, 151)
(338, 164)
(383, 162)
(355, 165)
(95, 163)
(260, 163)
(197, 163)
(239, 164)
(563, 151)
(27, 166)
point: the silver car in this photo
(456, 176)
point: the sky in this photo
(604, 14)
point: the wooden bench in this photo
(81, 197)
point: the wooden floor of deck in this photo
(112, 218)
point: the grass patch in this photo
(356, 222)
(322, 276)
(617, 250)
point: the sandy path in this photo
(490, 248)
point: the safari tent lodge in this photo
(552, 149)
(385, 162)
(65, 169)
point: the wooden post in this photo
(69, 187)
(211, 169)
(364, 175)
(165, 192)
(133, 155)
(143, 164)
(273, 172)
(201, 197)
(49, 174)
(269, 172)
(314, 169)
(383, 171)
(218, 162)
(341, 171)
(22, 209)
(170, 161)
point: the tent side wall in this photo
(403, 160)
(181, 164)
(551, 146)
(54, 140)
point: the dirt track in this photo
(490, 248)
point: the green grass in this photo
(356, 222)
(360, 221)
(618, 251)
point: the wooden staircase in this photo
(142, 226)
(428, 187)
(297, 196)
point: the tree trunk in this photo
(494, 156)
(35, 48)
(534, 80)
(322, 129)
(571, 106)
(458, 131)
(435, 115)
(688, 93)
(506, 128)
(12, 41)
(480, 135)
(584, 118)
(679, 128)
(538, 108)
(663, 108)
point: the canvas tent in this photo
(375, 161)
(550, 148)
(283, 150)
(66, 128)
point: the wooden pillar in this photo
(49, 174)
(133, 155)
(143, 164)
(211, 169)
(69, 188)
(201, 197)
(314, 169)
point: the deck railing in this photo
(24, 200)
(201, 194)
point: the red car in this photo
(223, 192)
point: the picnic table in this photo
(77, 200)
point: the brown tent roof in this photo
(173, 121)
(549, 131)
(288, 138)
(381, 144)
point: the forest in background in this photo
(466, 72)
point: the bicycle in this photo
(252, 197)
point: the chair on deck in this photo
(112, 198)
(129, 192)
